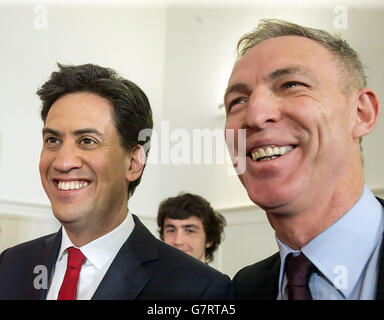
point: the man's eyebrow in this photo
(191, 225)
(237, 87)
(290, 71)
(242, 87)
(78, 132)
(50, 131)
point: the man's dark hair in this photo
(187, 205)
(131, 109)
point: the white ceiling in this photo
(269, 3)
(209, 3)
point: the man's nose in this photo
(67, 158)
(179, 238)
(263, 110)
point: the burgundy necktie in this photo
(299, 270)
(68, 288)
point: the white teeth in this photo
(276, 150)
(270, 152)
(71, 185)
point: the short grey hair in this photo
(354, 78)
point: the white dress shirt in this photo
(99, 253)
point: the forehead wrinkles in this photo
(348, 76)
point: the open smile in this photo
(71, 185)
(270, 152)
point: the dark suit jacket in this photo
(260, 281)
(144, 268)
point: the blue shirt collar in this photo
(348, 243)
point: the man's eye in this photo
(236, 101)
(292, 84)
(87, 141)
(51, 140)
(190, 231)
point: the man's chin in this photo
(67, 214)
(269, 200)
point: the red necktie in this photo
(68, 290)
(299, 269)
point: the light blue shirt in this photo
(346, 254)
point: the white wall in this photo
(181, 56)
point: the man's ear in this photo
(135, 163)
(368, 110)
(208, 244)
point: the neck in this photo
(80, 236)
(298, 226)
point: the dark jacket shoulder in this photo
(20, 266)
(177, 275)
(31, 250)
(258, 281)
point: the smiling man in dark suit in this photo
(300, 94)
(91, 162)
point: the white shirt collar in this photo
(101, 250)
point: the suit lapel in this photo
(49, 256)
(126, 277)
(274, 273)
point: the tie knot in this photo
(75, 258)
